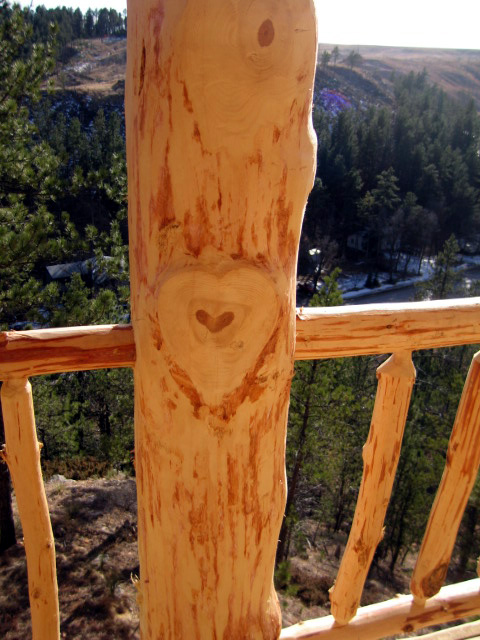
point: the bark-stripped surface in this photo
(386, 328)
(330, 332)
(220, 161)
(22, 454)
(461, 468)
(41, 351)
(380, 458)
(397, 616)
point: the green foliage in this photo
(86, 414)
(445, 279)
(325, 58)
(330, 409)
(27, 167)
(72, 24)
(49, 171)
(335, 54)
(283, 579)
(407, 175)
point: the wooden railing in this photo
(221, 158)
(320, 333)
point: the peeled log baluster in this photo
(380, 458)
(461, 468)
(220, 161)
(22, 454)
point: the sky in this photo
(401, 23)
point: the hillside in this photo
(98, 66)
(95, 66)
(456, 71)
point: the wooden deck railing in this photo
(320, 333)
(221, 158)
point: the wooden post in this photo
(380, 458)
(22, 454)
(459, 475)
(221, 157)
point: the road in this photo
(406, 294)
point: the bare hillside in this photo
(456, 71)
(98, 67)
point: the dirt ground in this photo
(94, 524)
(97, 67)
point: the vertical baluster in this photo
(461, 468)
(380, 458)
(22, 454)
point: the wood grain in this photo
(22, 454)
(380, 458)
(386, 328)
(42, 351)
(221, 158)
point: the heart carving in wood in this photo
(215, 325)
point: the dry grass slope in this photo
(98, 67)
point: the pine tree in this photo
(27, 174)
(330, 409)
(303, 423)
(335, 55)
(445, 279)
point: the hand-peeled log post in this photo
(22, 454)
(220, 161)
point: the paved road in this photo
(406, 294)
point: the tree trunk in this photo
(7, 526)
(220, 161)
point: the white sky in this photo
(415, 23)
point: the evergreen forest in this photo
(405, 177)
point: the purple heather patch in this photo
(333, 101)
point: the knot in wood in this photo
(266, 33)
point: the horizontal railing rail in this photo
(336, 332)
(42, 351)
(326, 332)
(330, 332)
(400, 615)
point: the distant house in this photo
(62, 272)
(89, 269)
